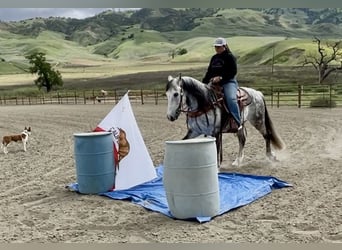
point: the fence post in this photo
(272, 96)
(278, 96)
(155, 96)
(299, 96)
(330, 96)
(93, 96)
(142, 96)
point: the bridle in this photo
(180, 105)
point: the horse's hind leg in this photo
(241, 134)
(261, 127)
(259, 119)
(269, 153)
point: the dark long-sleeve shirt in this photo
(223, 65)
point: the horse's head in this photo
(174, 97)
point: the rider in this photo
(222, 69)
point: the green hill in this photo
(155, 36)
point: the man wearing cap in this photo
(222, 70)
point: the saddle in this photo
(229, 125)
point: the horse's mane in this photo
(197, 90)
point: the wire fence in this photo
(275, 96)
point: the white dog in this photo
(23, 137)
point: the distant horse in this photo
(207, 116)
(104, 92)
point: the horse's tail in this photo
(276, 140)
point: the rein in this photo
(196, 113)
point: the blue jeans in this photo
(230, 91)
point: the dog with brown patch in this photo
(23, 137)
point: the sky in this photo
(16, 14)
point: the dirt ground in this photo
(36, 206)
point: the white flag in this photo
(134, 165)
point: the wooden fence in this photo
(303, 95)
(85, 97)
(275, 96)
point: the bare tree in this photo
(325, 60)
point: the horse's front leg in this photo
(241, 134)
(218, 138)
(190, 134)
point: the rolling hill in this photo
(155, 36)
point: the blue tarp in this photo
(235, 190)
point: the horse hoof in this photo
(235, 163)
(273, 158)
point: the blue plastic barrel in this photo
(94, 159)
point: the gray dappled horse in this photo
(206, 115)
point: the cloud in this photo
(16, 14)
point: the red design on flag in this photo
(116, 160)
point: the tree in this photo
(324, 60)
(47, 76)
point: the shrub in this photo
(181, 51)
(322, 102)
